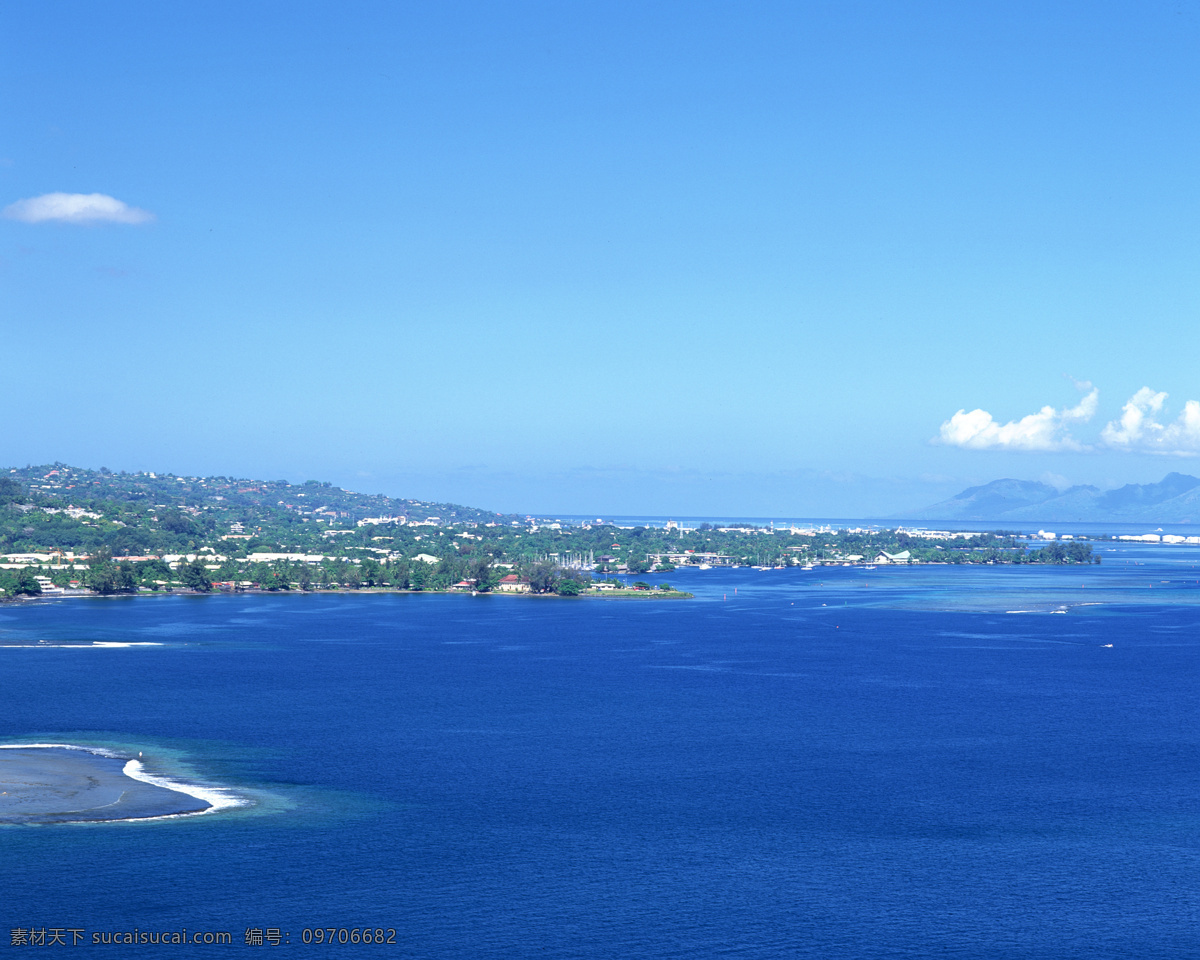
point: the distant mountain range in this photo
(1175, 499)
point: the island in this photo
(70, 531)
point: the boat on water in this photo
(807, 566)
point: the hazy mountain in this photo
(1175, 499)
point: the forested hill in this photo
(111, 532)
(226, 524)
(147, 513)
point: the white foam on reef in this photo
(98, 751)
(94, 645)
(216, 797)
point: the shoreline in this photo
(48, 783)
(184, 592)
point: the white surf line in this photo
(216, 797)
(94, 645)
(98, 751)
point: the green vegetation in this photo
(1062, 553)
(117, 532)
(19, 583)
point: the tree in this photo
(370, 571)
(480, 570)
(571, 583)
(175, 522)
(276, 578)
(448, 570)
(541, 576)
(150, 572)
(126, 578)
(568, 587)
(105, 577)
(398, 574)
(27, 584)
(260, 573)
(1079, 553)
(194, 576)
(11, 491)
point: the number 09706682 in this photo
(348, 935)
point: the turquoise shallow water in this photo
(840, 763)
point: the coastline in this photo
(47, 783)
(184, 592)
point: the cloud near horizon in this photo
(1137, 430)
(75, 208)
(1046, 430)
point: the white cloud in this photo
(1048, 429)
(75, 208)
(1139, 430)
(1055, 480)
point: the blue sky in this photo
(824, 259)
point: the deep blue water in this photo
(834, 764)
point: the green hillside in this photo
(121, 532)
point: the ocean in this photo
(974, 762)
